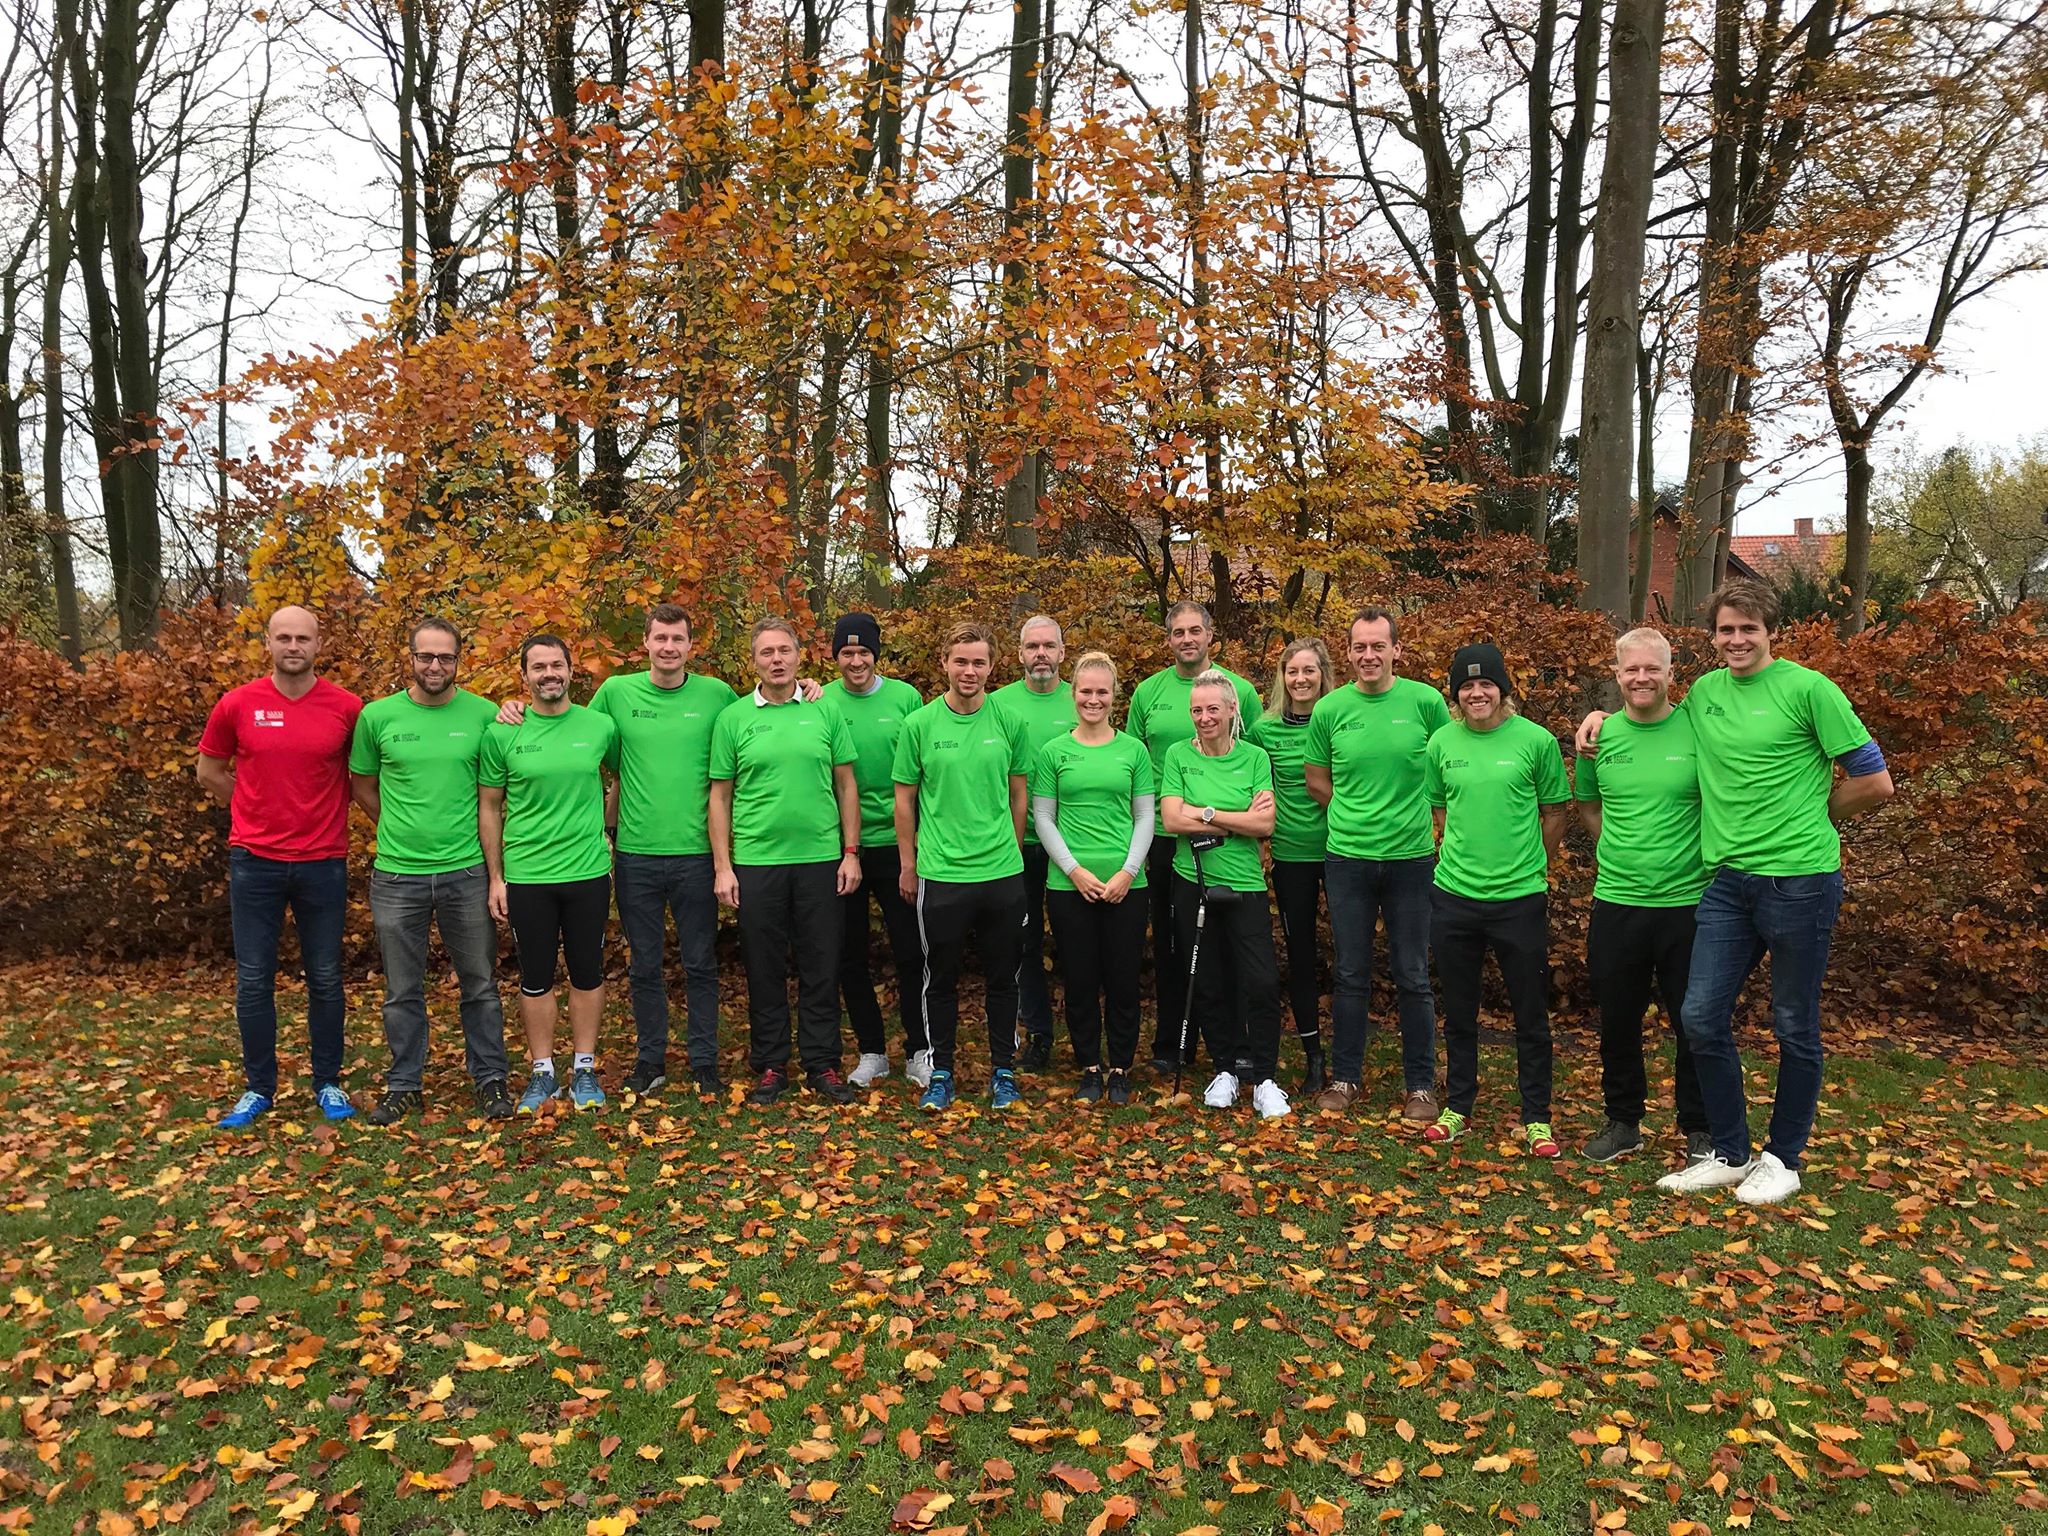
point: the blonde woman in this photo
(1092, 807)
(1300, 835)
(1216, 796)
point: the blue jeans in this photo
(259, 890)
(406, 909)
(1741, 919)
(1361, 892)
(649, 886)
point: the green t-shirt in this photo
(873, 719)
(1041, 717)
(1228, 783)
(780, 758)
(1159, 717)
(548, 766)
(961, 766)
(1490, 785)
(424, 757)
(664, 744)
(1768, 745)
(1094, 788)
(1375, 745)
(1646, 780)
(1300, 832)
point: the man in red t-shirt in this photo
(276, 750)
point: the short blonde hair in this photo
(1097, 661)
(1215, 679)
(1644, 639)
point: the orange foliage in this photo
(114, 850)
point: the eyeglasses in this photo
(434, 658)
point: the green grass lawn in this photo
(692, 1316)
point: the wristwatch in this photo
(1208, 814)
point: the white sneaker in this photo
(1769, 1182)
(869, 1070)
(1715, 1172)
(919, 1068)
(1270, 1100)
(1221, 1092)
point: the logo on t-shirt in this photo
(1455, 762)
(272, 719)
(649, 714)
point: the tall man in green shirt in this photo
(540, 813)
(412, 767)
(785, 843)
(874, 708)
(1367, 746)
(1640, 798)
(1041, 705)
(1770, 735)
(1159, 717)
(1498, 781)
(665, 716)
(960, 792)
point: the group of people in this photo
(980, 817)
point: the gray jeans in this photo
(405, 908)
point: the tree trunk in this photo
(1646, 483)
(1020, 489)
(57, 231)
(1208, 381)
(138, 579)
(409, 66)
(1614, 313)
(559, 61)
(881, 361)
(1857, 472)
(227, 325)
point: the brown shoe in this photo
(1420, 1108)
(1337, 1099)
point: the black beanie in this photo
(857, 629)
(1482, 661)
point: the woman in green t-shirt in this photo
(1091, 803)
(1216, 796)
(1300, 833)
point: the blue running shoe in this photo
(1003, 1092)
(938, 1094)
(540, 1089)
(334, 1103)
(246, 1109)
(584, 1091)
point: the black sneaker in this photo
(494, 1100)
(1165, 1063)
(708, 1081)
(395, 1105)
(1314, 1077)
(1036, 1055)
(644, 1079)
(1699, 1146)
(1090, 1091)
(768, 1086)
(1118, 1089)
(827, 1082)
(1616, 1139)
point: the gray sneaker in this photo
(1699, 1146)
(1616, 1139)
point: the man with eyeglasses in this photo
(413, 768)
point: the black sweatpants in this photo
(992, 912)
(790, 912)
(1296, 887)
(1169, 960)
(1627, 950)
(1102, 946)
(566, 920)
(880, 868)
(1237, 980)
(1518, 933)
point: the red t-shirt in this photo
(291, 767)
